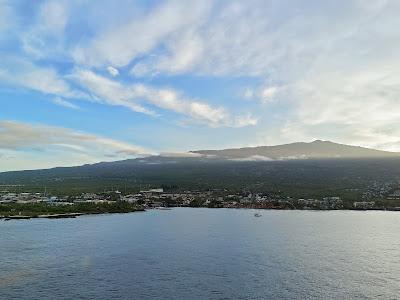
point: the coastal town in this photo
(216, 198)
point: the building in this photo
(363, 205)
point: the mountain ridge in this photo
(317, 149)
(307, 175)
(299, 150)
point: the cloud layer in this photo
(257, 72)
(51, 145)
(112, 92)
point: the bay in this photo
(196, 253)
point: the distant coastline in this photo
(25, 211)
(50, 211)
(26, 205)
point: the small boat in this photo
(257, 215)
(163, 208)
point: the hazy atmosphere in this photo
(89, 81)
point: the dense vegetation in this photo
(297, 178)
(45, 209)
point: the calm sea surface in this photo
(203, 254)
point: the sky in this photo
(89, 81)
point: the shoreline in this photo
(61, 215)
(78, 214)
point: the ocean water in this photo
(199, 253)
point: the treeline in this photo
(35, 209)
(344, 178)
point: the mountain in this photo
(315, 150)
(330, 169)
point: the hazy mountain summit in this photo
(153, 164)
(314, 150)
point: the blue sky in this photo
(87, 81)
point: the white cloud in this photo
(329, 69)
(113, 71)
(264, 94)
(16, 136)
(109, 92)
(268, 94)
(233, 39)
(245, 120)
(45, 36)
(65, 103)
(186, 50)
(119, 46)
(47, 143)
(114, 93)
(181, 155)
(254, 158)
(20, 72)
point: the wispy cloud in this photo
(315, 69)
(117, 47)
(17, 136)
(46, 29)
(113, 71)
(65, 103)
(44, 141)
(115, 93)
(108, 91)
(23, 73)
